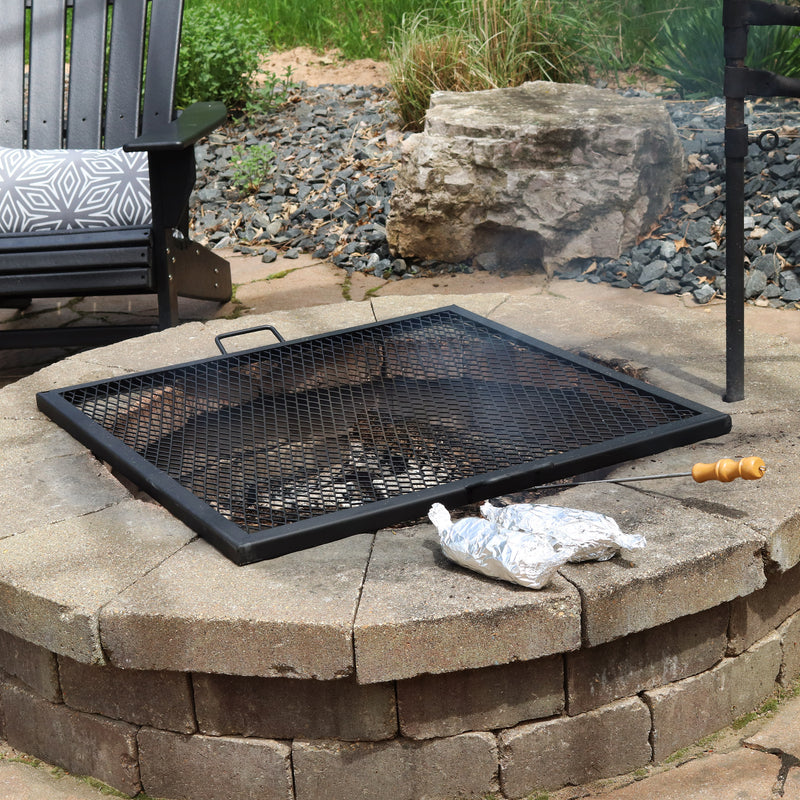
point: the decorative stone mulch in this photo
(686, 253)
(328, 194)
(330, 189)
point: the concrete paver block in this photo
(607, 741)
(288, 708)
(315, 283)
(622, 668)
(754, 616)
(214, 767)
(161, 699)
(36, 439)
(463, 766)
(84, 744)
(740, 775)
(54, 580)
(463, 288)
(36, 493)
(18, 400)
(684, 569)
(293, 324)
(392, 306)
(187, 342)
(688, 710)
(781, 733)
(480, 699)
(790, 641)
(681, 343)
(783, 541)
(36, 667)
(641, 332)
(20, 781)
(421, 613)
(196, 609)
(763, 504)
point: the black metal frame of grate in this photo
(288, 446)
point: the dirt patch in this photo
(316, 68)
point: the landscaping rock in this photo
(538, 174)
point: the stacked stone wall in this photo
(508, 730)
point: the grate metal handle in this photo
(271, 328)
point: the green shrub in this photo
(220, 52)
(689, 50)
(493, 44)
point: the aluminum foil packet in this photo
(586, 535)
(526, 544)
(484, 547)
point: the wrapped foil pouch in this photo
(526, 544)
(482, 546)
(586, 535)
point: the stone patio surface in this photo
(414, 620)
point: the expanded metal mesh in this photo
(278, 435)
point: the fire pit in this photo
(275, 449)
(135, 652)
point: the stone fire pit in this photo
(132, 651)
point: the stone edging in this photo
(514, 729)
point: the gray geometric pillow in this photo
(49, 190)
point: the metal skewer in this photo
(725, 470)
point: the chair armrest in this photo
(194, 122)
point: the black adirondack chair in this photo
(78, 75)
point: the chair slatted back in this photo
(115, 80)
(87, 63)
(12, 68)
(46, 74)
(162, 59)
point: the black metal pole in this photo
(734, 20)
(734, 251)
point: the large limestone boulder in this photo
(533, 176)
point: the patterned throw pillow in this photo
(49, 190)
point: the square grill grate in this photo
(271, 450)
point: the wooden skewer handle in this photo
(726, 470)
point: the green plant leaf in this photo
(220, 52)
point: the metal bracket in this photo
(736, 142)
(761, 13)
(742, 81)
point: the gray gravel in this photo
(686, 254)
(330, 189)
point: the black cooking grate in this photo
(288, 446)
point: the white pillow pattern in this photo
(50, 190)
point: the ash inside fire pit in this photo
(271, 450)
